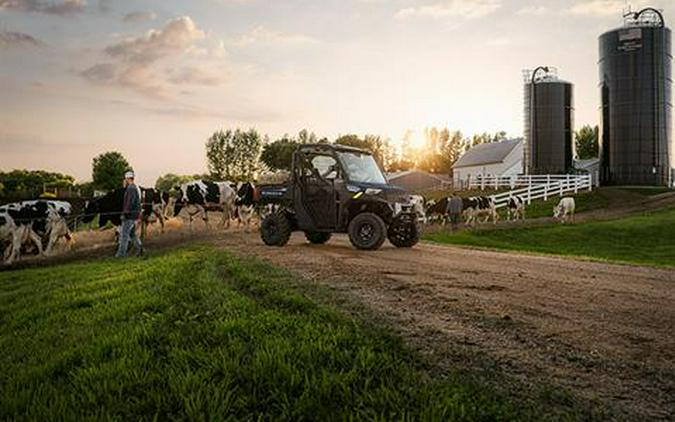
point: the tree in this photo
(108, 170)
(586, 142)
(234, 155)
(169, 181)
(278, 155)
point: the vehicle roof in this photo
(334, 147)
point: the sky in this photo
(153, 79)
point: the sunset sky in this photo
(154, 78)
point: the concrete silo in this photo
(549, 122)
(636, 146)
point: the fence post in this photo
(576, 184)
(590, 183)
(529, 192)
(482, 183)
(561, 188)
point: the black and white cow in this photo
(515, 208)
(41, 219)
(477, 206)
(200, 196)
(244, 203)
(108, 208)
(418, 207)
(10, 238)
(436, 210)
(154, 203)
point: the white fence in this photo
(553, 186)
(512, 182)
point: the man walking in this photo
(454, 210)
(131, 211)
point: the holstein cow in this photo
(108, 208)
(154, 203)
(200, 196)
(40, 223)
(10, 237)
(418, 205)
(477, 206)
(564, 209)
(436, 210)
(244, 203)
(515, 208)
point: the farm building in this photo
(416, 180)
(589, 166)
(503, 158)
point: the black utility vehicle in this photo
(337, 189)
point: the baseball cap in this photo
(129, 175)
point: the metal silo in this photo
(635, 88)
(549, 122)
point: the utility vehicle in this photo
(337, 189)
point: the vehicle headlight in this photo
(373, 191)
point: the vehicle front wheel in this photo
(403, 234)
(317, 238)
(275, 229)
(367, 231)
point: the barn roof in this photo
(492, 153)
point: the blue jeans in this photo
(128, 233)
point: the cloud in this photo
(193, 76)
(62, 7)
(533, 11)
(262, 35)
(137, 63)
(17, 40)
(134, 17)
(600, 7)
(465, 9)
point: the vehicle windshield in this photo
(361, 168)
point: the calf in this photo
(515, 208)
(564, 209)
(199, 196)
(20, 219)
(108, 208)
(478, 206)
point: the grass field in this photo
(644, 239)
(197, 334)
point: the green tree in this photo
(586, 142)
(30, 183)
(108, 170)
(234, 155)
(278, 155)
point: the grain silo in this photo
(635, 86)
(549, 122)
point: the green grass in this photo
(585, 201)
(198, 334)
(644, 239)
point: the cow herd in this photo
(35, 226)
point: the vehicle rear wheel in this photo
(317, 238)
(275, 229)
(403, 234)
(367, 231)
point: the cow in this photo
(515, 208)
(40, 219)
(200, 196)
(19, 221)
(108, 208)
(244, 203)
(436, 210)
(418, 207)
(477, 206)
(10, 238)
(565, 208)
(154, 204)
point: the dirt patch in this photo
(602, 331)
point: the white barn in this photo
(503, 158)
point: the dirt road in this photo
(604, 332)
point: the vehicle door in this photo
(317, 189)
